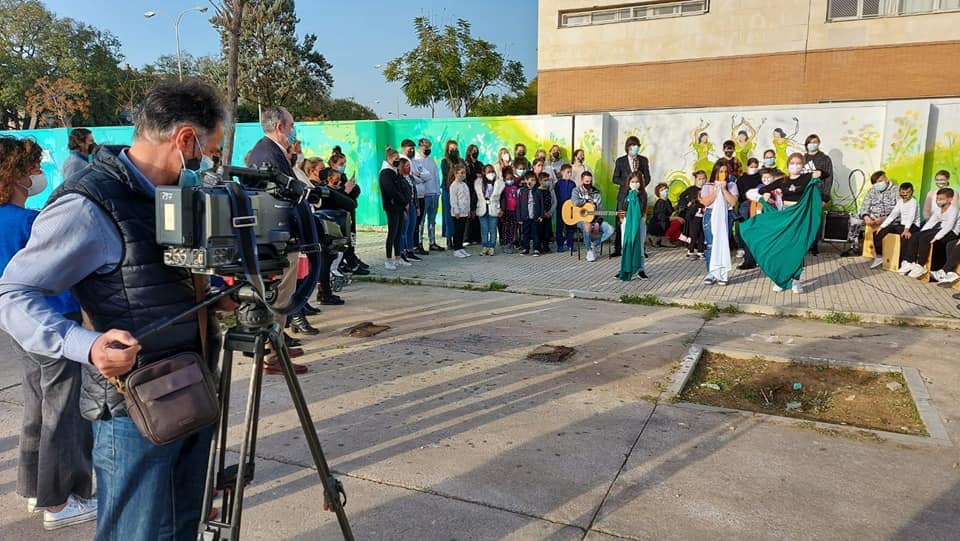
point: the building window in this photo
(841, 10)
(639, 11)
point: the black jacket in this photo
(622, 171)
(825, 165)
(392, 190)
(140, 291)
(267, 152)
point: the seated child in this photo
(663, 224)
(903, 220)
(936, 233)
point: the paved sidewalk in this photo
(832, 283)
(440, 429)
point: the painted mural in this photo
(911, 140)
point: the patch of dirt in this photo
(365, 330)
(550, 354)
(833, 395)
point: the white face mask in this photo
(491, 176)
(38, 183)
(505, 157)
(794, 169)
(751, 170)
(634, 186)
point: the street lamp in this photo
(176, 27)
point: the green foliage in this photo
(644, 300)
(36, 45)
(496, 286)
(345, 109)
(275, 68)
(841, 318)
(451, 66)
(524, 103)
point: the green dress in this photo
(779, 239)
(703, 151)
(634, 233)
(781, 147)
(744, 151)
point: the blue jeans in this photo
(606, 231)
(708, 233)
(564, 235)
(488, 231)
(429, 217)
(145, 491)
(447, 229)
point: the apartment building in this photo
(597, 55)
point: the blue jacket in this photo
(523, 211)
(564, 188)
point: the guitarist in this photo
(596, 231)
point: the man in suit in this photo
(629, 163)
(278, 135)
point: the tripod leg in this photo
(332, 489)
(250, 424)
(215, 467)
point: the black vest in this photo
(140, 291)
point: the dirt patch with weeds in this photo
(846, 396)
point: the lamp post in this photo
(176, 28)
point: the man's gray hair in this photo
(167, 106)
(271, 116)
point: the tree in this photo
(229, 15)
(346, 109)
(60, 99)
(524, 103)
(449, 65)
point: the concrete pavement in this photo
(439, 428)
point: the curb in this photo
(744, 308)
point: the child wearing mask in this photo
(734, 167)
(942, 180)
(459, 208)
(633, 230)
(530, 214)
(488, 190)
(689, 207)
(509, 199)
(549, 210)
(664, 226)
(937, 232)
(563, 190)
(903, 220)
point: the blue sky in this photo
(354, 36)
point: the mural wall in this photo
(911, 140)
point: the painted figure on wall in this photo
(784, 143)
(744, 136)
(700, 143)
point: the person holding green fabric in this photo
(780, 239)
(633, 231)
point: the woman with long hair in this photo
(56, 443)
(451, 158)
(395, 200)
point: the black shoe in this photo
(291, 341)
(403, 256)
(300, 325)
(744, 266)
(420, 251)
(436, 247)
(851, 252)
(310, 310)
(362, 265)
(413, 256)
(614, 254)
(642, 275)
(331, 300)
(956, 296)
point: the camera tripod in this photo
(256, 330)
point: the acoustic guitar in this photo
(573, 215)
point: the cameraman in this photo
(97, 238)
(279, 134)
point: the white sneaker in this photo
(460, 253)
(917, 271)
(76, 510)
(797, 287)
(402, 263)
(938, 275)
(877, 261)
(776, 288)
(389, 265)
(591, 257)
(466, 253)
(906, 267)
(949, 277)
(32, 506)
